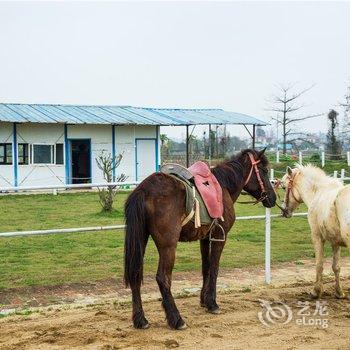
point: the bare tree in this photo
(108, 164)
(286, 104)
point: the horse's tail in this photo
(135, 238)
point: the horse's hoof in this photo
(340, 295)
(179, 325)
(317, 293)
(314, 295)
(146, 326)
(182, 327)
(142, 324)
(215, 311)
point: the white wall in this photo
(6, 171)
(125, 143)
(101, 140)
(40, 174)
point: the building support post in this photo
(15, 155)
(187, 147)
(253, 137)
(158, 149)
(66, 154)
(113, 151)
(209, 153)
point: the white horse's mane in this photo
(316, 175)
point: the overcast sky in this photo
(175, 54)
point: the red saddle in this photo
(209, 188)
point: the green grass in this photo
(88, 257)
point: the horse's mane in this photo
(316, 176)
(230, 173)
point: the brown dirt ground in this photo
(104, 324)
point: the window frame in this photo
(6, 145)
(55, 153)
(53, 149)
(25, 155)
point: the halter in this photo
(254, 167)
(290, 190)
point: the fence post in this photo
(348, 157)
(54, 191)
(272, 174)
(278, 156)
(335, 174)
(300, 157)
(268, 245)
(323, 159)
(342, 175)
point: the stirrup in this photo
(212, 239)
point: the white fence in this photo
(323, 157)
(71, 186)
(344, 175)
(267, 217)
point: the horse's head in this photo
(257, 182)
(292, 198)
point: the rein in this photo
(276, 186)
(254, 167)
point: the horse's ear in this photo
(289, 171)
(260, 154)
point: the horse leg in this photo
(319, 251)
(205, 251)
(210, 291)
(165, 268)
(138, 315)
(336, 269)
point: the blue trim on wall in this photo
(90, 160)
(113, 149)
(66, 154)
(156, 151)
(15, 155)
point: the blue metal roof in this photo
(119, 115)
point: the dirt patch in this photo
(105, 325)
(237, 327)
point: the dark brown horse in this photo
(156, 208)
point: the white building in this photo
(58, 144)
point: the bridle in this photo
(255, 168)
(290, 192)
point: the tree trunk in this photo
(284, 130)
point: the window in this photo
(23, 154)
(5, 153)
(43, 154)
(59, 153)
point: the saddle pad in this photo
(209, 188)
(204, 215)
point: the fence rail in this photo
(267, 217)
(323, 156)
(68, 186)
(107, 228)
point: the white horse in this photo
(328, 202)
